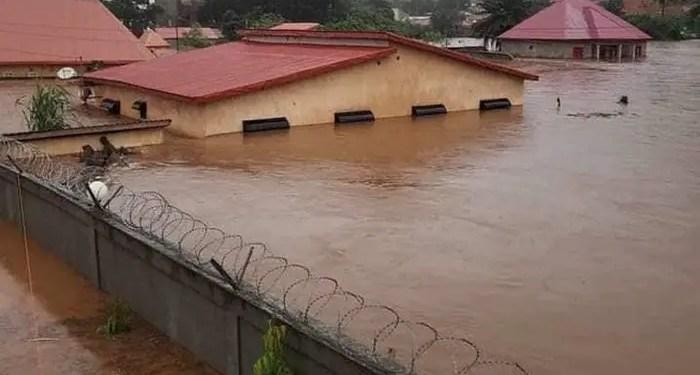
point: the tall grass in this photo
(272, 361)
(118, 319)
(48, 108)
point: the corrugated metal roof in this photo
(180, 32)
(152, 39)
(332, 37)
(574, 20)
(235, 68)
(64, 32)
(296, 26)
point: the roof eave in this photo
(395, 38)
(258, 86)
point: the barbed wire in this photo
(316, 303)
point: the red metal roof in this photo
(296, 26)
(152, 39)
(237, 68)
(389, 38)
(234, 68)
(179, 32)
(575, 20)
(60, 32)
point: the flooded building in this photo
(291, 78)
(575, 29)
(39, 37)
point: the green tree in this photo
(447, 16)
(662, 28)
(501, 15)
(230, 23)
(194, 39)
(614, 6)
(417, 7)
(137, 15)
(694, 11)
(262, 20)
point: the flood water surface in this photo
(564, 239)
(51, 328)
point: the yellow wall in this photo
(74, 144)
(409, 77)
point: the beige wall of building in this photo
(389, 88)
(74, 144)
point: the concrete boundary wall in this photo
(222, 328)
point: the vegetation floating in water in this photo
(118, 319)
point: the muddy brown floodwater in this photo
(54, 330)
(566, 240)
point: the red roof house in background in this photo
(578, 29)
(296, 26)
(172, 34)
(158, 46)
(37, 37)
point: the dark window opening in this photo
(354, 116)
(112, 106)
(428, 110)
(487, 105)
(259, 125)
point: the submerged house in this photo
(282, 78)
(575, 29)
(39, 37)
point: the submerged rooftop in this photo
(266, 58)
(575, 20)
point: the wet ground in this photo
(51, 329)
(562, 239)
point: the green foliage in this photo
(659, 27)
(614, 6)
(272, 361)
(694, 11)
(447, 16)
(262, 20)
(47, 109)
(194, 39)
(118, 319)
(214, 12)
(417, 7)
(504, 14)
(137, 15)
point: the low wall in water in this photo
(221, 327)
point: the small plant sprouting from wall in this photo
(272, 361)
(118, 319)
(47, 109)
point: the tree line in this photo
(446, 15)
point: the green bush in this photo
(118, 319)
(47, 109)
(659, 27)
(272, 361)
